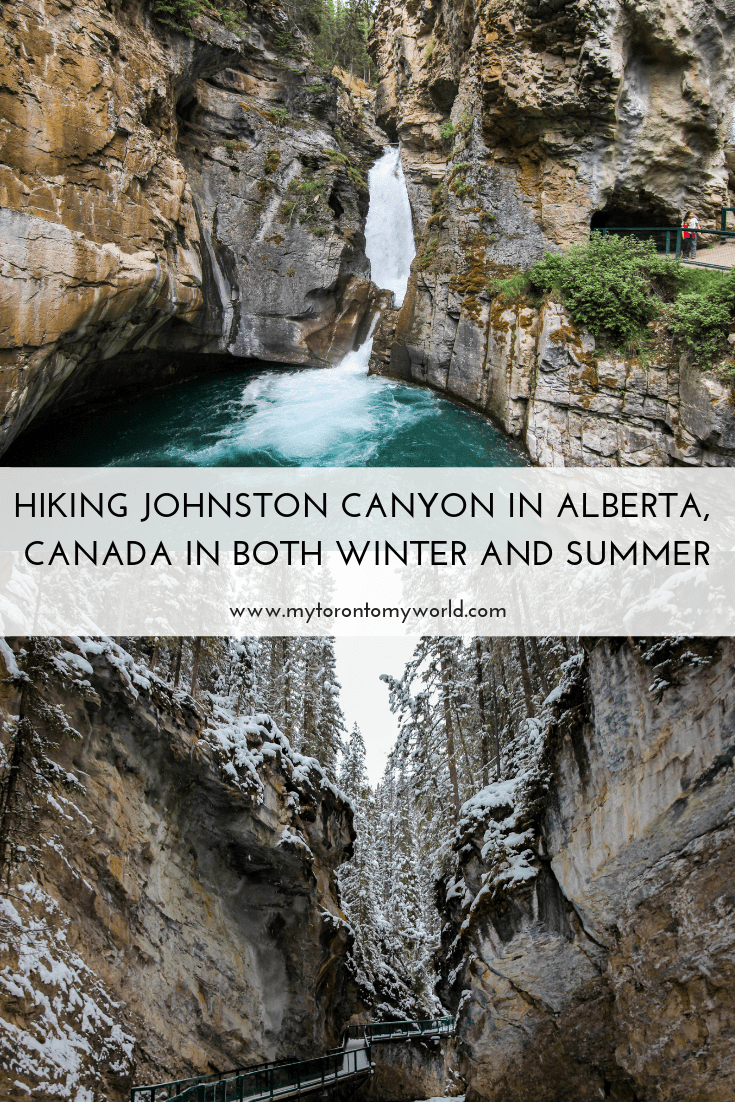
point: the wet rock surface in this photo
(173, 195)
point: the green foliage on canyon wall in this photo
(333, 33)
(613, 285)
(617, 287)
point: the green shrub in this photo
(701, 280)
(447, 130)
(464, 123)
(512, 289)
(457, 182)
(233, 146)
(286, 45)
(429, 252)
(437, 197)
(429, 51)
(437, 220)
(289, 209)
(701, 318)
(179, 13)
(611, 286)
(271, 162)
(337, 157)
(309, 185)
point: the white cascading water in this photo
(313, 417)
(389, 227)
(307, 415)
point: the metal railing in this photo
(264, 1081)
(718, 246)
(279, 1080)
(385, 1031)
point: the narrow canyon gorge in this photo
(199, 901)
(179, 201)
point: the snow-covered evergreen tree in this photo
(358, 879)
(466, 713)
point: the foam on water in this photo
(275, 416)
(337, 414)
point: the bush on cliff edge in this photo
(701, 317)
(615, 286)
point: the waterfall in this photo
(389, 228)
(339, 410)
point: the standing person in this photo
(693, 226)
(689, 236)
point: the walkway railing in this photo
(263, 1082)
(394, 1031)
(715, 248)
(283, 1080)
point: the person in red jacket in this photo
(690, 226)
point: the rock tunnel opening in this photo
(633, 215)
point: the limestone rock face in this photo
(521, 124)
(562, 108)
(169, 195)
(599, 961)
(545, 382)
(193, 921)
(407, 1070)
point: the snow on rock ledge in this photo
(589, 940)
(187, 911)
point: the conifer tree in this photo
(358, 878)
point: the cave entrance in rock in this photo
(636, 217)
(641, 215)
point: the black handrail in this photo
(270, 1080)
(273, 1079)
(406, 1027)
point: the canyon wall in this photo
(522, 123)
(589, 944)
(411, 1069)
(546, 383)
(185, 917)
(164, 194)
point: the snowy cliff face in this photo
(522, 123)
(186, 916)
(170, 194)
(589, 944)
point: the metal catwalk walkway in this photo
(351, 1063)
